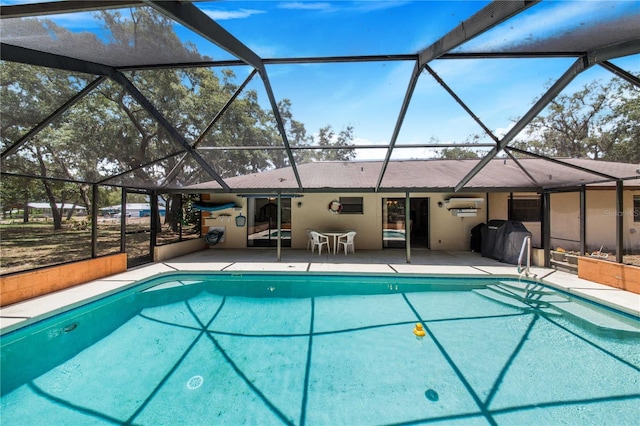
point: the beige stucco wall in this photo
(447, 232)
(169, 251)
(600, 223)
(498, 206)
(565, 220)
(314, 214)
(234, 237)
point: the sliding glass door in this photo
(262, 222)
(393, 223)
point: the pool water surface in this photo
(311, 349)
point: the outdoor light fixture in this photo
(241, 220)
(440, 204)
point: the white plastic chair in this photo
(310, 240)
(318, 240)
(346, 241)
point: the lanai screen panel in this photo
(589, 119)
(198, 101)
(293, 39)
(338, 28)
(29, 94)
(135, 36)
(489, 88)
(561, 27)
(334, 105)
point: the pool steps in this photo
(532, 297)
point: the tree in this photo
(457, 153)
(109, 137)
(621, 137)
(327, 138)
(600, 121)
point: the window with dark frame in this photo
(351, 205)
(636, 209)
(525, 209)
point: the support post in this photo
(279, 240)
(94, 220)
(619, 221)
(583, 220)
(154, 217)
(546, 227)
(123, 218)
(510, 213)
(487, 210)
(407, 225)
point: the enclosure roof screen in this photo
(172, 95)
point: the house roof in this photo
(58, 205)
(434, 176)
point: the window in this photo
(636, 208)
(351, 205)
(525, 209)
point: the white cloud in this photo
(222, 15)
(369, 153)
(305, 5)
(75, 21)
(501, 131)
(373, 5)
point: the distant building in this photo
(132, 210)
(45, 208)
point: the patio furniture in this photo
(318, 240)
(346, 241)
(334, 235)
(310, 240)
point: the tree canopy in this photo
(600, 121)
(109, 138)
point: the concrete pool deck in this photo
(366, 261)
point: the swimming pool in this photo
(321, 349)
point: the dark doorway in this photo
(419, 214)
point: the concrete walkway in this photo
(364, 261)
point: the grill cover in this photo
(502, 240)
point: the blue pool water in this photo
(389, 234)
(325, 350)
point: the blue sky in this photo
(368, 96)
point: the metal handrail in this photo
(526, 243)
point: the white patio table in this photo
(334, 235)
